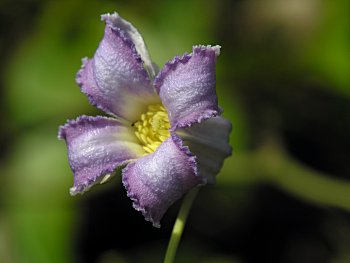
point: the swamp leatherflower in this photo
(165, 126)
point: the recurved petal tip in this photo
(115, 79)
(117, 22)
(96, 147)
(187, 87)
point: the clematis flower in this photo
(164, 126)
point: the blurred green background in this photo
(283, 78)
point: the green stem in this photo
(179, 225)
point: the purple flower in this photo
(165, 126)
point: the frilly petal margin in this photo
(186, 86)
(209, 142)
(157, 180)
(96, 147)
(116, 21)
(115, 79)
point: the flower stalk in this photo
(180, 225)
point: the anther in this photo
(153, 127)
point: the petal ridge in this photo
(80, 120)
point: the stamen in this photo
(153, 127)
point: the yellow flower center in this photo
(153, 127)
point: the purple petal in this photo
(115, 21)
(208, 141)
(115, 79)
(157, 180)
(186, 87)
(96, 147)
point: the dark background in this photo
(283, 78)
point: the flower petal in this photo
(115, 21)
(115, 79)
(208, 141)
(157, 180)
(96, 147)
(186, 87)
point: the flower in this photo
(165, 126)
